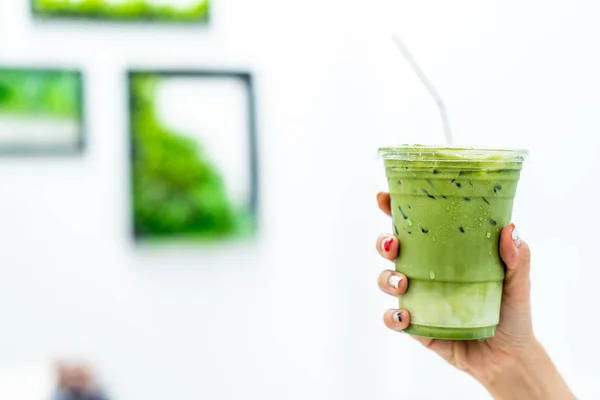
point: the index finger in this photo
(383, 201)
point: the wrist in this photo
(528, 374)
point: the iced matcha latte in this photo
(449, 206)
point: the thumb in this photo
(516, 255)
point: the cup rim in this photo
(453, 153)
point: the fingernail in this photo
(515, 237)
(394, 280)
(398, 316)
(386, 244)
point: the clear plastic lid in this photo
(446, 153)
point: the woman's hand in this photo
(505, 362)
(76, 380)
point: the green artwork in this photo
(193, 175)
(40, 110)
(125, 10)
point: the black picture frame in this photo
(77, 147)
(248, 80)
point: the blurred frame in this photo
(192, 180)
(164, 11)
(41, 111)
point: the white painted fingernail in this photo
(516, 238)
(394, 280)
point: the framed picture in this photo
(193, 155)
(41, 111)
(124, 10)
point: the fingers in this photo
(383, 201)
(513, 250)
(517, 256)
(396, 320)
(388, 246)
(392, 283)
(74, 375)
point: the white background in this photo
(297, 314)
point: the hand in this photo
(77, 379)
(514, 345)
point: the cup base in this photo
(436, 332)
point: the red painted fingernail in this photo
(387, 243)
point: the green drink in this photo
(449, 206)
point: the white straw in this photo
(436, 97)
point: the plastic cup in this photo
(449, 205)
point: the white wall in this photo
(297, 314)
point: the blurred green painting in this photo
(184, 184)
(125, 10)
(40, 110)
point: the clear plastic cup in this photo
(449, 205)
